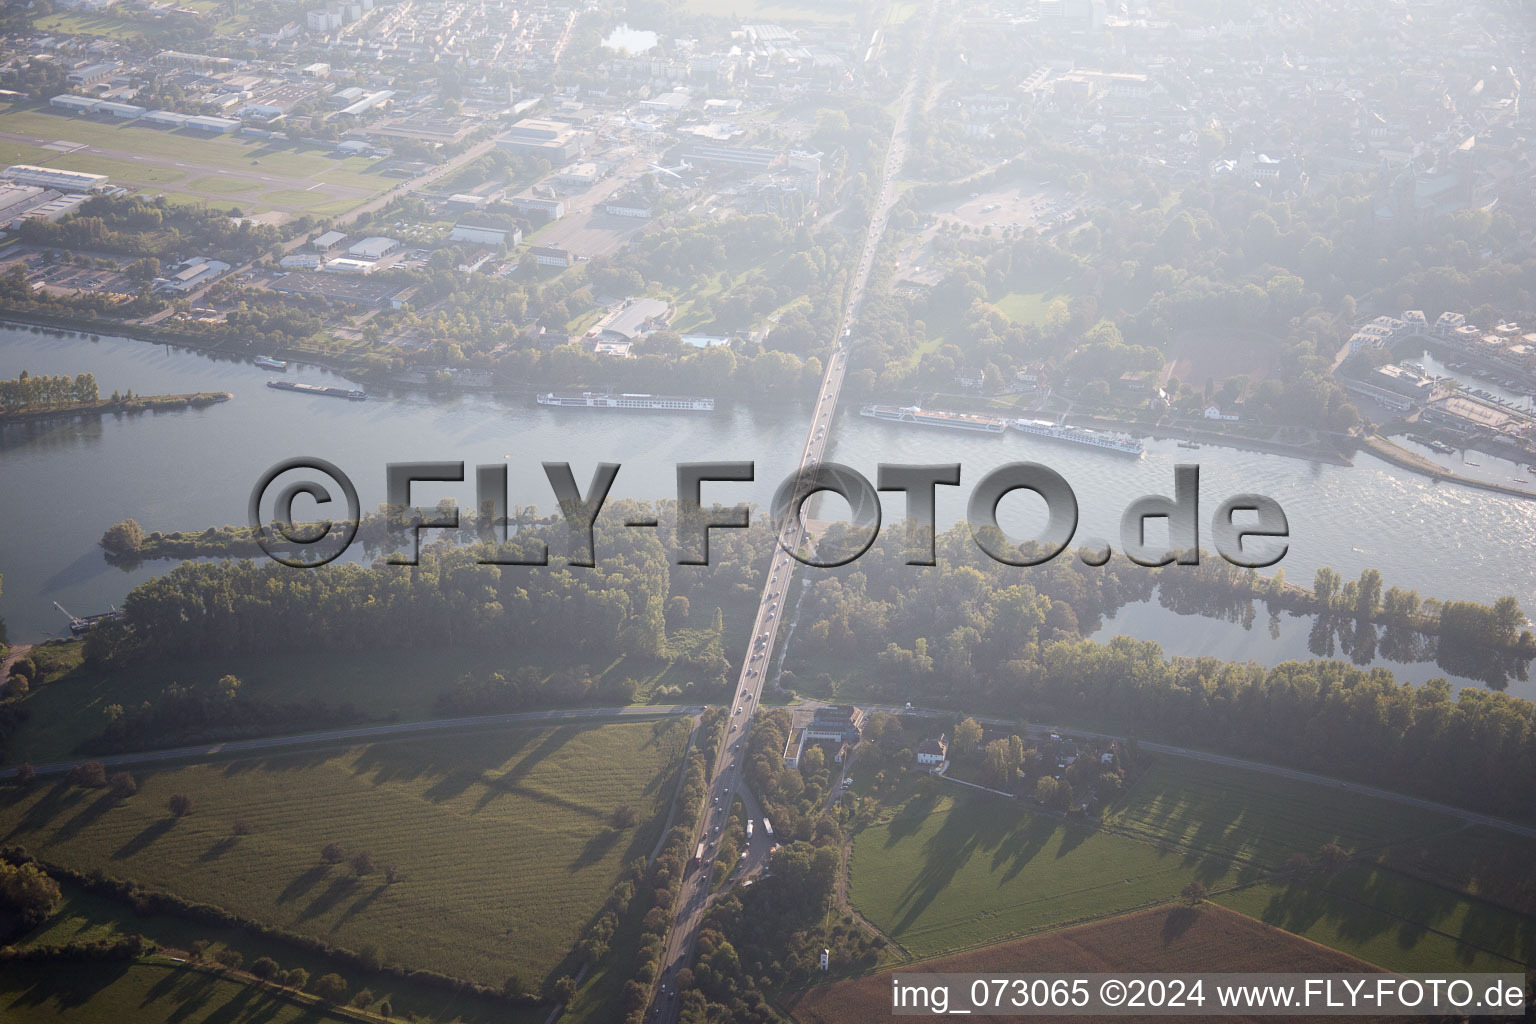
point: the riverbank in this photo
(1403, 458)
(135, 404)
(1310, 453)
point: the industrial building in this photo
(192, 273)
(485, 235)
(52, 177)
(328, 241)
(547, 209)
(374, 248)
(555, 141)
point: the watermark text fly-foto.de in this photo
(1248, 530)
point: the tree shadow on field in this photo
(278, 764)
(64, 985)
(85, 817)
(510, 779)
(1023, 845)
(596, 848)
(218, 848)
(338, 890)
(305, 881)
(359, 905)
(191, 995)
(146, 837)
(911, 816)
(60, 798)
(1178, 921)
(971, 826)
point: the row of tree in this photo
(28, 392)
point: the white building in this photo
(52, 177)
(191, 274)
(485, 235)
(328, 241)
(374, 248)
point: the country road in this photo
(371, 732)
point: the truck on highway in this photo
(749, 828)
(698, 856)
(767, 828)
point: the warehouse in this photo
(52, 177)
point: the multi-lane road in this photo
(694, 897)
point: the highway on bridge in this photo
(694, 896)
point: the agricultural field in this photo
(1261, 819)
(146, 992)
(86, 917)
(1152, 941)
(948, 870)
(1488, 863)
(501, 840)
(279, 175)
(1396, 922)
(398, 685)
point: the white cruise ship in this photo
(602, 400)
(933, 418)
(1081, 435)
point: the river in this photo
(63, 483)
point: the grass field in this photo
(1025, 307)
(225, 185)
(950, 869)
(501, 839)
(83, 917)
(1153, 941)
(402, 684)
(274, 173)
(145, 992)
(1488, 863)
(1397, 922)
(1259, 818)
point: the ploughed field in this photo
(1208, 939)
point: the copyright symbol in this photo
(280, 535)
(1112, 992)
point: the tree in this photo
(1195, 892)
(90, 775)
(296, 977)
(967, 737)
(124, 539)
(623, 816)
(363, 999)
(229, 959)
(28, 892)
(563, 990)
(332, 988)
(123, 785)
(362, 863)
(1331, 857)
(332, 853)
(180, 805)
(265, 968)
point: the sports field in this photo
(501, 839)
(273, 174)
(953, 869)
(1152, 941)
